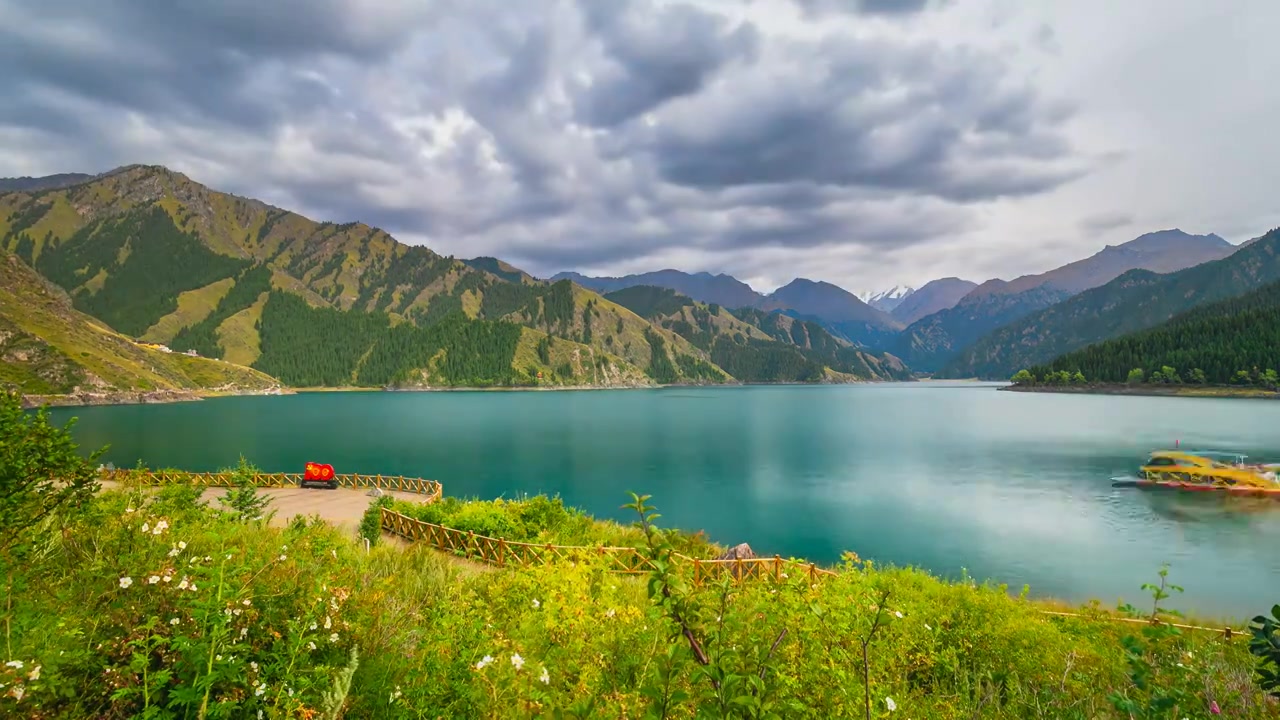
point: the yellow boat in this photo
(1209, 470)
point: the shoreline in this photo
(159, 397)
(137, 397)
(1182, 391)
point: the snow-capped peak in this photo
(885, 300)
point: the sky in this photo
(867, 143)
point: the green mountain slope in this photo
(928, 344)
(1136, 300)
(49, 348)
(757, 346)
(1229, 341)
(156, 255)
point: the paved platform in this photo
(342, 507)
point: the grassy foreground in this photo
(148, 603)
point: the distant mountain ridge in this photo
(886, 300)
(934, 296)
(840, 310)
(1137, 300)
(930, 343)
(48, 182)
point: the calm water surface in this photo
(1013, 487)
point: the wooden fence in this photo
(626, 560)
(431, 490)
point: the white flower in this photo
(153, 579)
(193, 587)
(125, 582)
(34, 674)
(183, 585)
(18, 691)
(898, 613)
(544, 677)
(610, 613)
(282, 557)
(926, 626)
(261, 689)
(517, 660)
(128, 510)
(484, 661)
(167, 578)
(146, 527)
(182, 544)
(236, 612)
(174, 552)
(311, 646)
(174, 621)
(889, 703)
(15, 664)
(333, 637)
(253, 665)
(160, 527)
(244, 631)
(536, 604)
(245, 603)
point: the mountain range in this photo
(159, 259)
(927, 327)
(156, 258)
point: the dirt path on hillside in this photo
(342, 508)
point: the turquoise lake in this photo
(951, 477)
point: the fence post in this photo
(777, 567)
(811, 569)
(502, 551)
(737, 573)
(697, 572)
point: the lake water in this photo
(1013, 487)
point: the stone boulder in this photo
(741, 551)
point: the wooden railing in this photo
(431, 490)
(626, 560)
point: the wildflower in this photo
(244, 631)
(394, 695)
(333, 637)
(193, 587)
(1213, 707)
(484, 661)
(784, 576)
(311, 646)
(182, 544)
(536, 604)
(218, 658)
(517, 660)
(889, 703)
(245, 602)
(174, 621)
(167, 578)
(34, 674)
(153, 579)
(146, 527)
(125, 582)
(544, 677)
(128, 510)
(328, 622)
(261, 689)
(15, 664)
(17, 692)
(184, 584)
(253, 665)
(926, 626)
(160, 527)
(236, 612)
(283, 557)
(174, 552)
(898, 613)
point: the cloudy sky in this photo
(862, 142)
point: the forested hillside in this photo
(49, 348)
(757, 346)
(1136, 300)
(1235, 341)
(159, 257)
